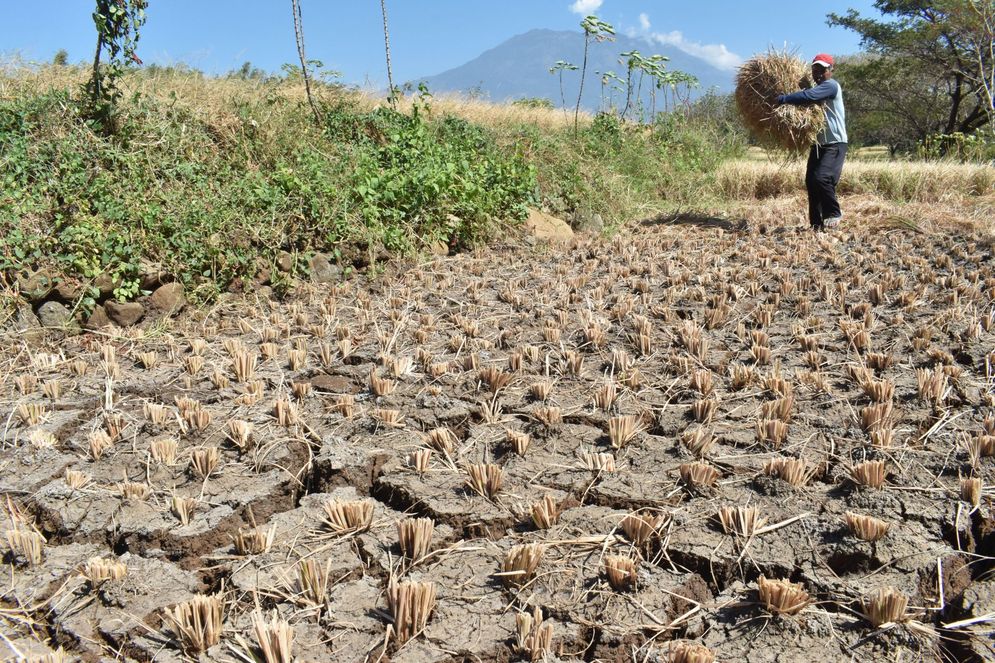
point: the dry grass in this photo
(759, 81)
(698, 475)
(485, 479)
(183, 508)
(197, 623)
(98, 570)
(211, 99)
(904, 181)
(26, 545)
(520, 564)
(274, 637)
(347, 517)
(204, 460)
(410, 605)
(970, 491)
(690, 652)
(885, 606)
(545, 512)
(870, 474)
(866, 528)
(794, 471)
(414, 535)
(622, 430)
(740, 520)
(255, 541)
(782, 597)
(533, 636)
(640, 528)
(621, 572)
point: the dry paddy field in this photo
(694, 442)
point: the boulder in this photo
(322, 270)
(54, 315)
(124, 314)
(168, 299)
(546, 227)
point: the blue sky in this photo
(427, 36)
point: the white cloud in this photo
(644, 22)
(716, 55)
(586, 7)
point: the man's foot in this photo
(817, 227)
(833, 222)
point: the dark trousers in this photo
(825, 164)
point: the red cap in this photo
(824, 59)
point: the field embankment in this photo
(225, 184)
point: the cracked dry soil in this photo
(598, 377)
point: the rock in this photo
(284, 262)
(105, 284)
(24, 323)
(98, 318)
(587, 221)
(323, 271)
(35, 286)
(54, 315)
(264, 273)
(547, 227)
(124, 314)
(68, 291)
(152, 276)
(168, 299)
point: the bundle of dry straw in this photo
(759, 82)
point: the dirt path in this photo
(638, 387)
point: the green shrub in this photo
(437, 181)
(210, 186)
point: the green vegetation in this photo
(213, 178)
(118, 23)
(928, 75)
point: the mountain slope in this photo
(519, 67)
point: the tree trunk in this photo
(392, 98)
(95, 81)
(583, 75)
(955, 98)
(299, 34)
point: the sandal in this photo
(829, 224)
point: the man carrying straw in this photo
(825, 159)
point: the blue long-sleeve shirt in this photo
(829, 94)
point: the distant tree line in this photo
(927, 73)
